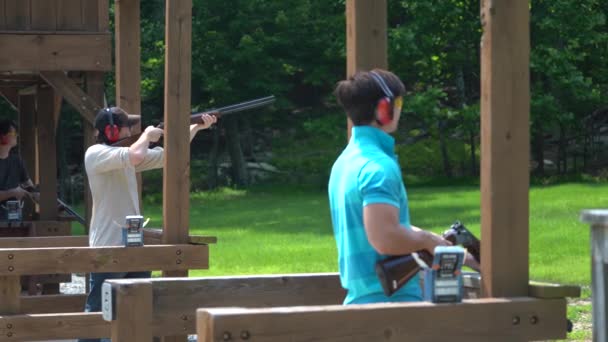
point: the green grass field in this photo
(288, 230)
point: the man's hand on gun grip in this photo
(153, 133)
(433, 240)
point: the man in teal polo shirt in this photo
(367, 198)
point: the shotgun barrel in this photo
(217, 112)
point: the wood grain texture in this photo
(37, 327)
(489, 319)
(505, 139)
(34, 52)
(102, 259)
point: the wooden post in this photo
(27, 141)
(128, 62)
(47, 154)
(134, 310)
(598, 219)
(505, 143)
(10, 289)
(366, 37)
(176, 179)
(95, 87)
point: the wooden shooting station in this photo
(269, 308)
(60, 49)
(511, 309)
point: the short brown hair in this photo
(359, 94)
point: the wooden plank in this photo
(53, 326)
(155, 236)
(10, 288)
(27, 142)
(44, 15)
(366, 38)
(104, 15)
(474, 320)
(81, 101)
(176, 178)
(547, 291)
(53, 303)
(95, 87)
(90, 15)
(2, 15)
(128, 62)
(17, 14)
(44, 242)
(34, 52)
(47, 154)
(69, 15)
(128, 65)
(102, 259)
(505, 111)
(51, 228)
(176, 299)
(134, 307)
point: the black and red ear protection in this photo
(4, 140)
(384, 107)
(111, 130)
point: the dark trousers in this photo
(94, 298)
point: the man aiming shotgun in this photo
(111, 167)
(218, 113)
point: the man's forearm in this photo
(138, 150)
(193, 130)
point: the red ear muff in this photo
(112, 132)
(4, 140)
(384, 111)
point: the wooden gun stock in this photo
(217, 112)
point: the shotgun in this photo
(217, 112)
(62, 205)
(396, 271)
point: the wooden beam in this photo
(27, 143)
(17, 14)
(44, 242)
(50, 228)
(155, 236)
(535, 289)
(53, 303)
(366, 37)
(11, 95)
(81, 101)
(128, 63)
(491, 319)
(176, 179)
(505, 139)
(47, 153)
(176, 299)
(134, 307)
(102, 259)
(35, 52)
(10, 288)
(39, 327)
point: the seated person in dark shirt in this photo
(13, 175)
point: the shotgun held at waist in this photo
(217, 112)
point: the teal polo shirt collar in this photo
(374, 136)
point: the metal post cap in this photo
(594, 216)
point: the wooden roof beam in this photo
(66, 87)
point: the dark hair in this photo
(6, 125)
(359, 94)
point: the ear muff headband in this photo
(384, 108)
(111, 130)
